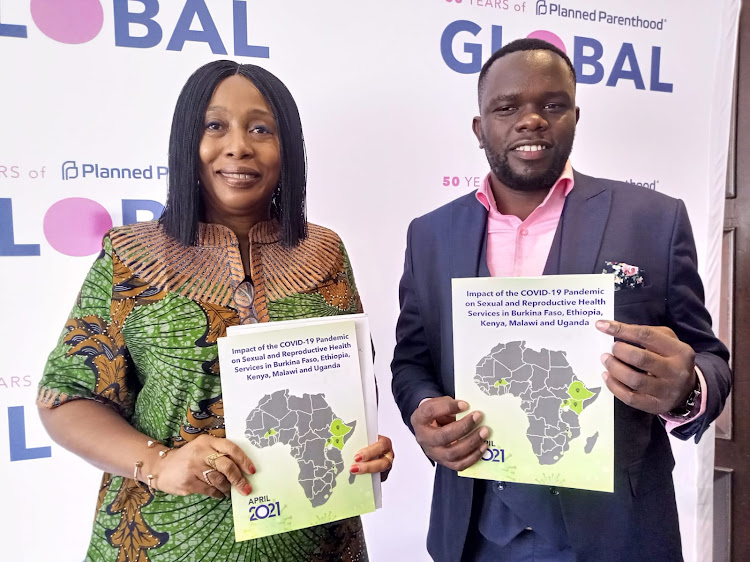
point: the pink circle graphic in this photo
(75, 226)
(68, 21)
(549, 37)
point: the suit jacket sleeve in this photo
(414, 372)
(691, 322)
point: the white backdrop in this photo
(386, 91)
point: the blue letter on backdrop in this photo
(130, 208)
(474, 49)
(8, 247)
(241, 46)
(123, 19)
(627, 53)
(656, 85)
(209, 34)
(10, 30)
(17, 438)
(580, 60)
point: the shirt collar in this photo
(563, 185)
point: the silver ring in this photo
(205, 476)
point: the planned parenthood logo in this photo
(543, 8)
(71, 170)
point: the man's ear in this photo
(476, 125)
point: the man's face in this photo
(527, 119)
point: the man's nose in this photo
(531, 121)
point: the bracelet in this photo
(138, 464)
(163, 453)
(151, 489)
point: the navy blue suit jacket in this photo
(602, 221)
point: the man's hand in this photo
(656, 374)
(454, 444)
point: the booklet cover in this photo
(527, 355)
(294, 402)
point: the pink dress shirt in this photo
(517, 248)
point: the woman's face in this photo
(239, 152)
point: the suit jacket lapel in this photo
(579, 234)
(468, 236)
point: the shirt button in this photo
(501, 486)
(554, 491)
(529, 529)
(524, 232)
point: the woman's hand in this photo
(187, 470)
(377, 457)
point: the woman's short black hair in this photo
(184, 208)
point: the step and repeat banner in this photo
(387, 92)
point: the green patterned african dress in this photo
(142, 339)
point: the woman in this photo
(133, 384)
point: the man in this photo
(535, 215)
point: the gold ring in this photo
(389, 456)
(205, 475)
(211, 459)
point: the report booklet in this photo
(527, 355)
(299, 400)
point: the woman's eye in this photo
(261, 129)
(213, 126)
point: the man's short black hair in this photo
(527, 44)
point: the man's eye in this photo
(553, 106)
(505, 109)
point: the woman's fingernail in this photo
(354, 469)
(357, 457)
(247, 489)
(252, 470)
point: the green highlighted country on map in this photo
(338, 430)
(578, 393)
(269, 433)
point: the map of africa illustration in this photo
(315, 434)
(552, 396)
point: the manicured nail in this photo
(357, 457)
(484, 433)
(462, 406)
(477, 417)
(354, 469)
(247, 489)
(602, 325)
(252, 470)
